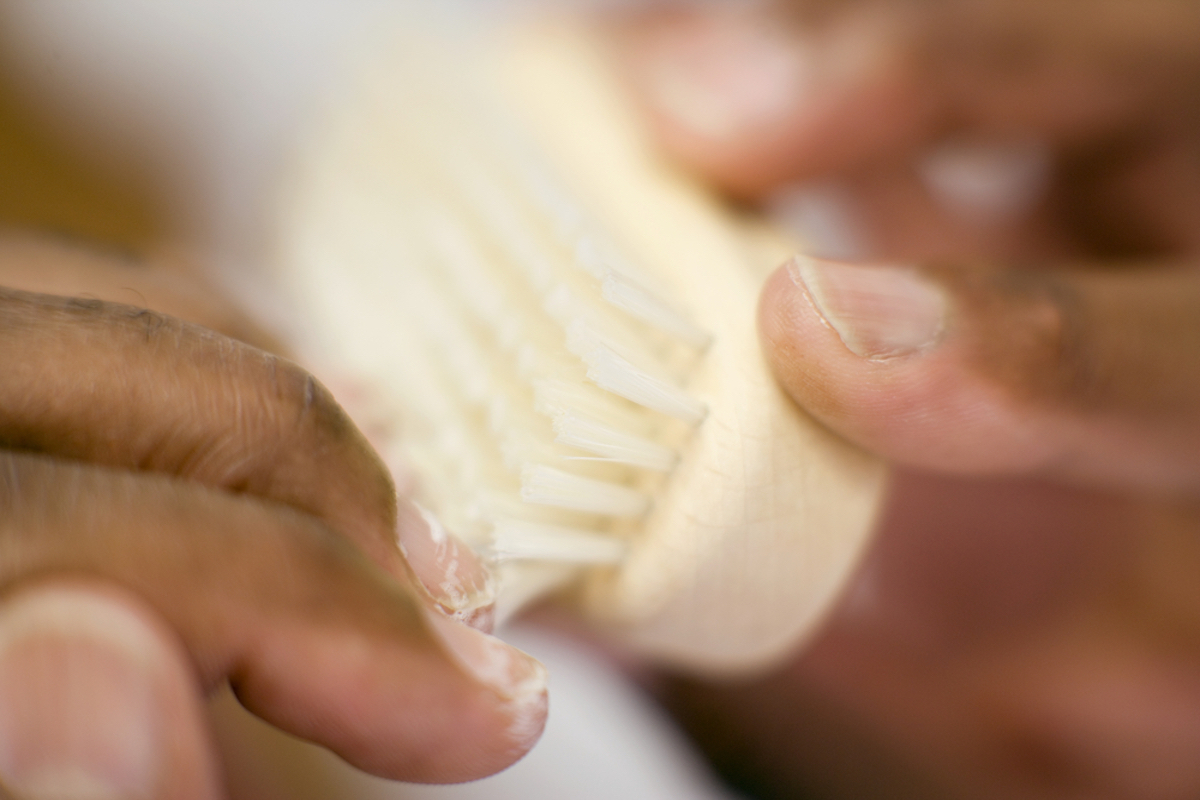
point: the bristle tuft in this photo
(512, 539)
(543, 376)
(607, 442)
(547, 486)
(613, 373)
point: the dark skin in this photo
(214, 497)
(1027, 624)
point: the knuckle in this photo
(301, 404)
(1027, 337)
(287, 431)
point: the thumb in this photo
(96, 701)
(1073, 374)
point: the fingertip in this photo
(410, 694)
(97, 700)
(712, 82)
(823, 360)
(751, 100)
(517, 681)
(793, 334)
(889, 356)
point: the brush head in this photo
(565, 328)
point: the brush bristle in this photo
(514, 301)
(541, 372)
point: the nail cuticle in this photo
(456, 580)
(77, 709)
(880, 313)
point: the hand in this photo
(909, 112)
(181, 509)
(1027, 624)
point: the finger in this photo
(97, 700)
(313, 636)
(452, 574)
(755, 100)
(752, 101)
(134, 389)
(1085, 375)
(71, 269)
(890, 213)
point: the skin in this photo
(1027, 623)
(215, 498)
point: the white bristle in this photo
(639, 303)
(600, 257)
(610, 371)
(511, 232)
(493, 506)
(586, 328)
(548, 486)
(467, 268)
(612, 443)
(542, 376)
(514, 539)
(554, 396)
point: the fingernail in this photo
(519, 679)
(825, 217)
(988, 182)
(879, 312)
(725, 73)
(448, 568)
(77, 712)
(512, 673)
